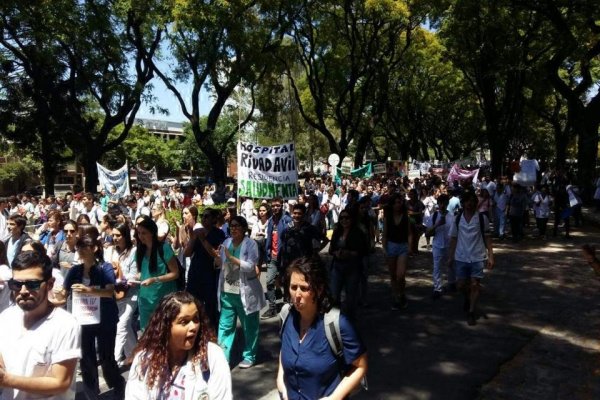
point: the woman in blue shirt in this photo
(95, 277)
(308, 369)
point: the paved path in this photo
(537, 337)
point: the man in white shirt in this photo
(39, 344)
(90, 209)
(470, 247)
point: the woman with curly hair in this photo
(308, 368)
(177, 357)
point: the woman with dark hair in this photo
(308, 369)
(83, 219)
(314, 215)
(157, 265)
(240, 292)
(65, 254)
(93, 280)
(177, 357)
(189, 218)
(348, 245)
(395, 238)
(123, 262)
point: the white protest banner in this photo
(379, 168)
(145, 178)
(265, 172)
(119, 179)
(86, 309)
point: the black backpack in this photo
(481, 224)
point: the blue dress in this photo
(310, 368)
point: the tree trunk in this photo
(91, 171)
(48, 163)
(587, 154)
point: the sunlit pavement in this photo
(536, 336)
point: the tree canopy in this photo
(438, 79)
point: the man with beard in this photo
(300, 239)
(39, 344)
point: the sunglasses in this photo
(33, 284)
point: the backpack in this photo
(481, 224)
(333, 334)
(180, 281)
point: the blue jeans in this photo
(346, 275)
(272, 274)
(499, 222)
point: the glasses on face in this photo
(235, 226)
(32, 284)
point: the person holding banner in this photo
(92, 285)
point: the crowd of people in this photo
(169, 296)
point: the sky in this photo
(165, 99)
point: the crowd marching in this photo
(169, 295)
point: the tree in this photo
(572, 68)
(431, 112)
(345, 50)
(217, 45)
(495, 45)
(87, 72)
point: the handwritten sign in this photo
(86, 308)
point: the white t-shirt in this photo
(32, 352)
(441, 237)
(470, 246)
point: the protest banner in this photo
(145, 178)
(86, 308)
(456, 173)
(119, 179)
(379, 168)
(265, 172)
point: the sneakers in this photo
(245, 364)
(270, 313)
